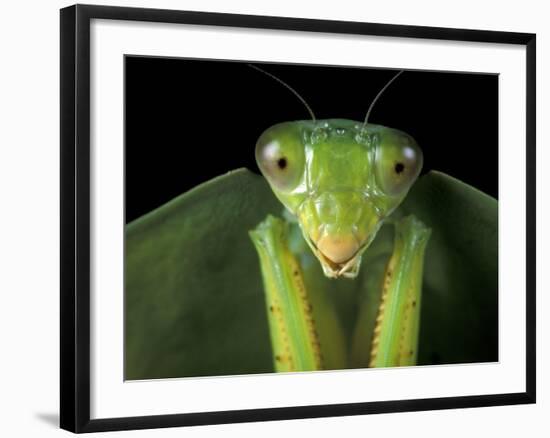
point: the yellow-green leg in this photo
(294, 338)
(395, 337)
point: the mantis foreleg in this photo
(395, 338)
(294, 337)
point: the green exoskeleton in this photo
(340, 180)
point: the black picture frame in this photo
(75, 216)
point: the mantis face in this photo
(341, 179)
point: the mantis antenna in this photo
(288, 87)
(378, 95)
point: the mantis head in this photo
(341, 179)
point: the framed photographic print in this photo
(270, 218)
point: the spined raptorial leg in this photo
(395, 338)
(294, 338)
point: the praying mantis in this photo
(339, 181)
(195, 299)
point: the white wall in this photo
(29, 249)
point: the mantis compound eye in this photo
(280, 157)
(398, 163)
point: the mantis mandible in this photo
(339, 180)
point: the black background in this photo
(188, 121)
